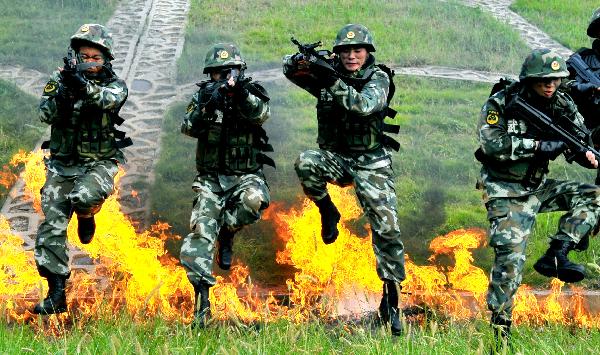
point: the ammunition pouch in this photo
(529, 173)
(232, 147)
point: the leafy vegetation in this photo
(35, 34)
(565, 21)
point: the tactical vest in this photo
(231, 146)
(87, 133)
(528, 171)
(343, 131)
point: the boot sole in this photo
(545, 270)
(328, 239)
(53, 311)
(570, 275)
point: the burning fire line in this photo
(133, 272)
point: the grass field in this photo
(565, 21)
(35, 34)
(154, 336)
(20, 127)
(408, 33)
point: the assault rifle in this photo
(321, 57)
(325, 61)
(573, 136)
(222, 91)
(584, 72)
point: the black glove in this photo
(580, 158)
(298, 57)
(73, 79)
(586, 88)
(240, 92)
(550, 150)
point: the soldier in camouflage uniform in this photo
(225, 115)
(81, 103)
(515, 158)
(352, 101)
(585, 94)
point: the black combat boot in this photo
(556, 264)
(388, 308)
(86, 227)
(201, 305)
(501, 329)
(56, 300)
(330, 217)
(224, 248)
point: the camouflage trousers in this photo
(375, 191)
(215, 208)
(61, 196)
(511, 221)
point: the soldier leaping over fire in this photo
(81, 103)
(353, 95)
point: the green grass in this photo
(35, 34)
(20, 127)
(565, 21)
(408, 33)
(121, 336)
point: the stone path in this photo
(149, 37)
(533, 36)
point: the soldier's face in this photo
(546, 87)
(91, 55)
(353, 58)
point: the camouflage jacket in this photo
(585, 94)
(508, 143)
(371, 99)
(71, 120)
(225, 136)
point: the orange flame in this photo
(133, 272)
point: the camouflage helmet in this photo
(223, 55)
(544, 63)
(593, 29)
(95, 35)
(352, 34)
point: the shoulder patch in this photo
(492, 117)
(51, 88)
(191, 107)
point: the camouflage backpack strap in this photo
(392, 90)
(390, 112)
(264, 146)
(122, 141)
(502, 84)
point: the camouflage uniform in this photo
(513, 195)
(585, 94)
(84, 150)
(352, 154)
(230, 187)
